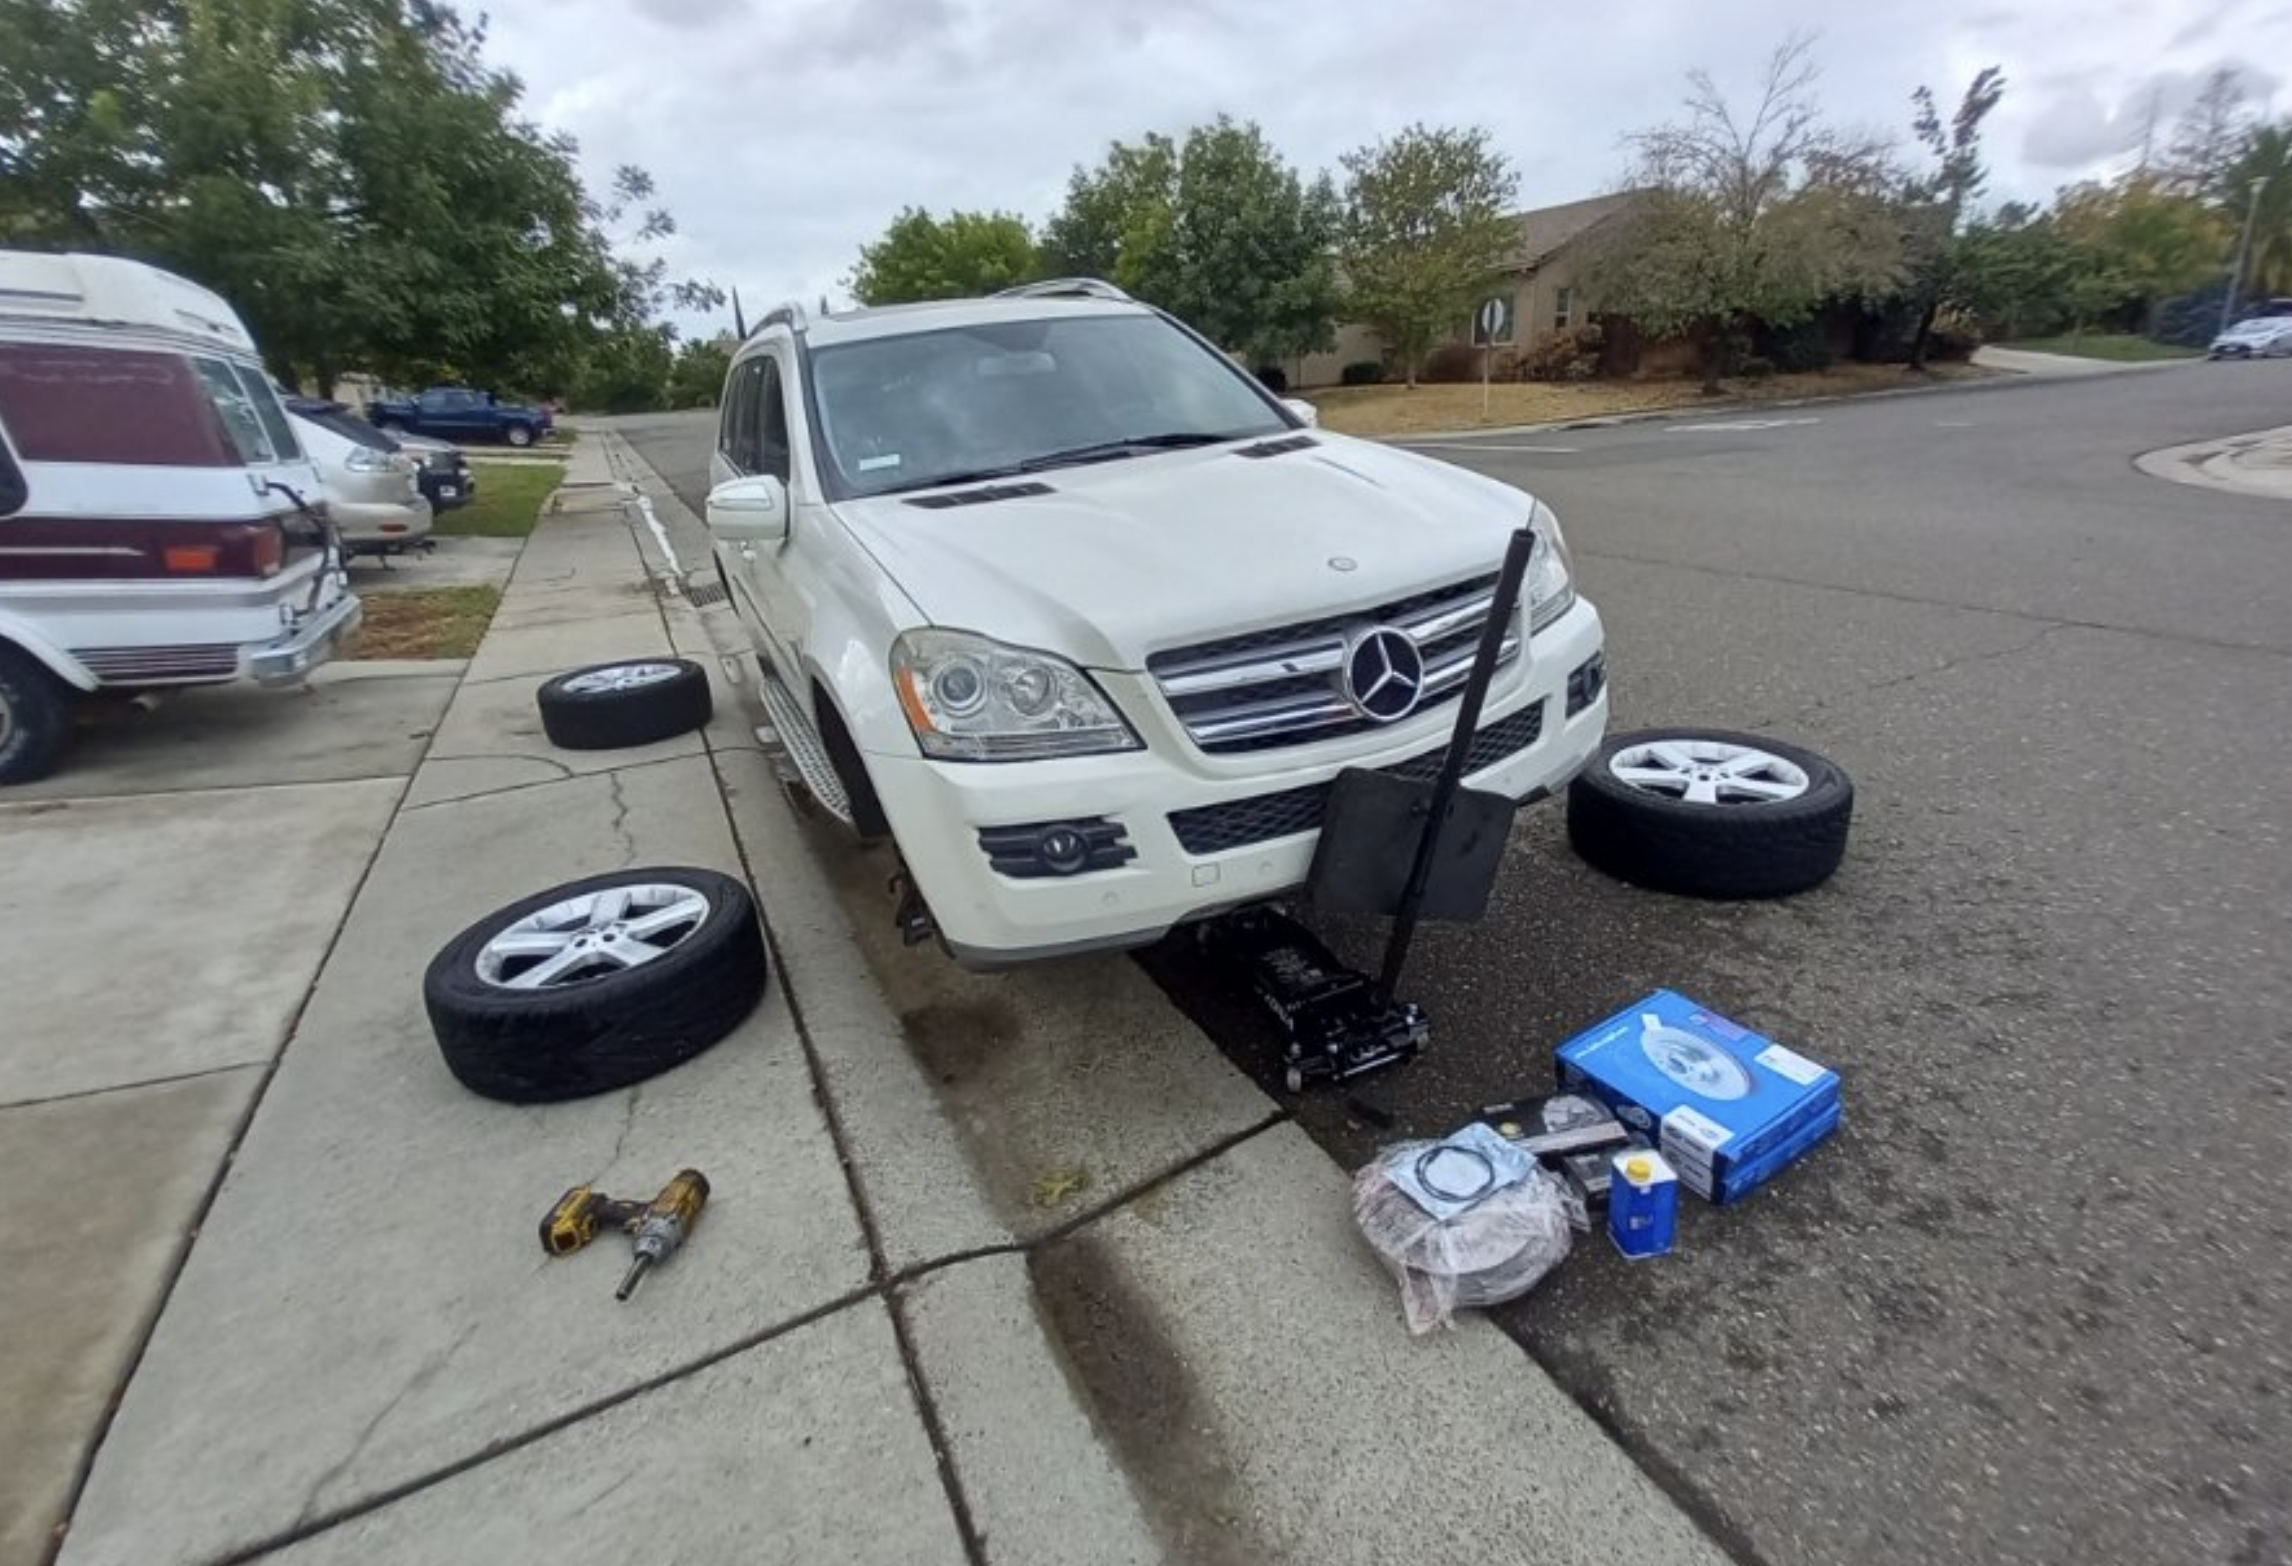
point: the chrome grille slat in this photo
(1315, 657)
(1285, 685)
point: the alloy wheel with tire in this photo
(35, 718)
(596, 984)
(608, 706)
(519, 435)
(1711, 813)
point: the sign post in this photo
(1491, 316)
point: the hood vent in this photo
(1275, 448)
(979, 497)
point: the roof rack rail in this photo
(1065, 288)
(790, 315)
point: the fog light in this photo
(1586, 683)
(1062, 849)
(1036, 849)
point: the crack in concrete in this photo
(620, 823)
(419, 1380)
(628, 1123)
(77, 1094)
(571, 776)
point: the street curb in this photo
(2225, 463)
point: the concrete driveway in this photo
(2013, 1312)
(167, 899)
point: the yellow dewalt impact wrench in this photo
(658, 1226)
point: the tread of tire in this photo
(539, 1047)
(1737, 852)
(620, 720)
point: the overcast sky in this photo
(784, 133)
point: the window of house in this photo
(1495, 312)
(1563, 309)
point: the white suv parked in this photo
(1052, 592)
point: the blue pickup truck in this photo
(457, 413)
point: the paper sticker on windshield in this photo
(873, 464)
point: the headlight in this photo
(1551, 585)
(971, 699)
(365, 459)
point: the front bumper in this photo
(284, 660)
(991, 919)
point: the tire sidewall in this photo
(38, 713)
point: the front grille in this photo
(1213, 829)
(126, 665)
(1286, 686)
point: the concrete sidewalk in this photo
(895, 1337)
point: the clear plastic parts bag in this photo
(1492, 1227)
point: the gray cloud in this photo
(785, 133)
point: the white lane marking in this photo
(1735, 424)
(1481, 445)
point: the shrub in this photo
(1362, 372)
(1568, 353)
(1451, 363)
(1756, 367)
(1795, 349)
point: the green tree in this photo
(2136, 244)
(1425, 226)
(351, 174)
(2015, 272)
(1217, 229)
(957, 257)
(1112, 211)
(624, 370)
(1934, 241)
(697, 378)
(2266, 164)
(1750, 218)
(1242, 247)
(2208, 140)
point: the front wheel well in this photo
(868, 819)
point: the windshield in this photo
(974, 402)
(334, 416)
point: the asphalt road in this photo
(2034, 1303)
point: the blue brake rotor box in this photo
(1721, 1100)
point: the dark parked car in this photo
(440, 469)
(460, 413)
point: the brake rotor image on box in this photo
(1697, 1066)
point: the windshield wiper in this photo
(1127, 446)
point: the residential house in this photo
(1539, 291)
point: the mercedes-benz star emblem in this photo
(1384, 674)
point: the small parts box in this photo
(1729, 1108)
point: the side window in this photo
(241, 423)
(12, 490)
(267, 409)
(771, 422)
(736, 432)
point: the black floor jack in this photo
(1389, 846)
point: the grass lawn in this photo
(2119, 347)
(425, 622)
(1404, 410)
(509, 497)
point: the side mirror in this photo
(1304, 410)
(749, 510)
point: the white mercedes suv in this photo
(1049, 590)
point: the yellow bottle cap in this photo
(1639, 1169)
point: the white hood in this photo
(1128, 557)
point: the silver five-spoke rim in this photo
(1708, 772)
(619, 677)
(592, 936)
